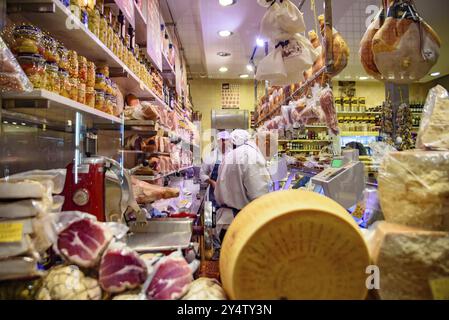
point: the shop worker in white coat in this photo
(242, 177)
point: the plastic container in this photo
(27, 39)
(52, 82)
(73, 64)
(100, 82)
(99, 100)
(63, 57)
(50, 49)
(73, 89)
(82, 69)
(64, 83)
(90, 97)
(34, 67)
(82, 93)
(90, 74)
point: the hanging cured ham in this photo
(404, 48)
(366, 46)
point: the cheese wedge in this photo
(294, 245)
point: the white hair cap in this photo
(240, 137)
(223, 135)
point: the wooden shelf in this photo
(61, 24)
(52, 106)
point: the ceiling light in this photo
(435, 74)
(244, 76)
(14, 123)
(223, 54)
(250, 67)
(226, 3)
(223, 69)
(24, 124)
(5, 122)
(260, 42)
(363, 78)
(224, 33)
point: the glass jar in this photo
(116, 44)
(110, 38)
(115, 110)
(114, 89)
(73, 94)
(109, 89)
(73, 64)
(100, 82)
(82, 69)
(27, 39)
(34, 67)
(64, 83)
(99, 100)
(50, 49)
(90, 74)
(103, 30)
(82, 93)
(52, 82)
(103, 69)
(94, 21)
(90, 97)
(63, 54)
(108, 107)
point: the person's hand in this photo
(213, 183)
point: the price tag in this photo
(11, 232)
(440, 288)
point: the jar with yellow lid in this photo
(27, 39)
(90, 97)
(73, 94)
(99, 100)
(82, 93)
(82, 69)
(100, 82)
(34, 67)
(52, 82)
(90, 74)
(73, 64)
(64, 83)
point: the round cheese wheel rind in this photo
(294, 245)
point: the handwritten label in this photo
(440, 288)
(11, 232)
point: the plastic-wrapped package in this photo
(12, 77)
(121, 269)
(19, 268)
(380, 150)
(82, 240)
(368, 211)
(414, 188)
(434, 129)
(313, 112)
(204, 289)
(11, 249)
(25, 189)
(57, 176)
(68, 283)
(23, 208)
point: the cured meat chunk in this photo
(327, 105)
(121, 269)
(172, 277)
(83, 241)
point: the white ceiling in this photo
(198, 23)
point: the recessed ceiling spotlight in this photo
(250, 67)
(435, 74)
(260, 42)
(244, 76)
(223, 54)
(223, 69)
(363, 78)
(224, 33)
(226, 3)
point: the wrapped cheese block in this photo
(434, 129)
(405, 48)
(294, 245)
(414, 189)
(409, 260)
(24, 189)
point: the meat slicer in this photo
(99, 186)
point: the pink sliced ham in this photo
(83, 241)
(121, 269)
(171, 279)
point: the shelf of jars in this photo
(305, 140)
(54, 107)
(359, 133)
(56, 19)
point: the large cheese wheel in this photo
(294, 245)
